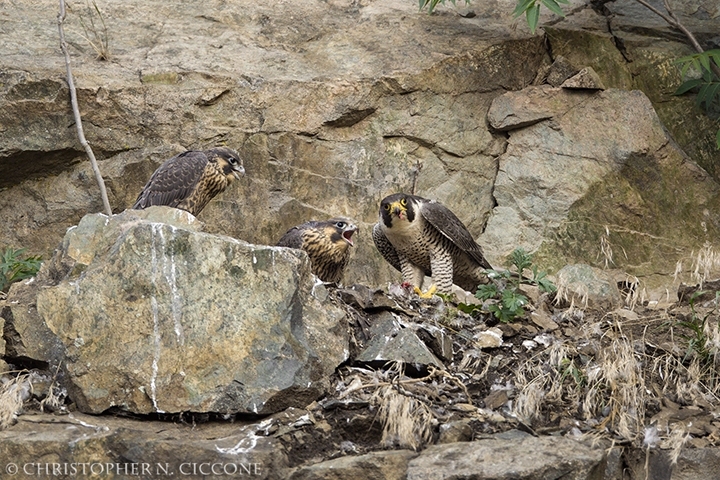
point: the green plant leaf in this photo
(522, 7)
(468, 308)
(688, 85)
(514, 301)
(705, 62)
(520, 259)
(713, 93)
(501, 314)
(533, 15)
(13, 268)
(553, 6)
(487, 291)
(702, 94)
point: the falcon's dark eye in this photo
(403, 202)
(387, 207)
(233, 161)
(340, 224)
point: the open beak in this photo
(399, 211)
(238, 170)
(348, 233)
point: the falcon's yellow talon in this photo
(430, 292)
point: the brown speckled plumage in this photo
(191, 179)
(327, 244)
(422, 237)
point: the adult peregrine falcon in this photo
(422, 237)
(191, 179)
(326, 243)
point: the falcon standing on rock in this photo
(188, 181)
(326, 243)
(422, 237)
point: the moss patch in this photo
(650, 214)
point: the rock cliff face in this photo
(333, 104)
(336, 104)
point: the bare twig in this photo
(76, 111)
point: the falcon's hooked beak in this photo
(238, 170)
(398, 210)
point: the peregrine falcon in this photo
(421, 237)
(191, 179)
(326, 243)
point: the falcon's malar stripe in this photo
(422, 237)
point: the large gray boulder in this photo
(149, 316)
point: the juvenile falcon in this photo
(422, 237)
(326, 243)
(191, 179)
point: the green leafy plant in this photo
(568, 369)
(13, 268)
(531, 9)
(698, 342)
(502, 297)
(707, 85)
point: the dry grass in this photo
(617, 386)
(548, 378)
(407, 421)
(574, 295)
(13, 393)
(404, 405)
(55, 399)
(675, 441)
(634, 293)
(95, 31)
(609, 388)
(606, 248)
(705, 264)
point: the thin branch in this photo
(76, 111)
(673, 21)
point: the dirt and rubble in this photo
(642, 378)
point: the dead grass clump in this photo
(407, 408)
(13, 393)
(407, 421)
(705, 264)
(574, 295)
(529, 402)
(685, 384)
(616, 390)
(549, 378)
(675, 441)
(55, 399)
(606, 248)
(608, 390)
(96, 32)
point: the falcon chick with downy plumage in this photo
(422, 237)
(327, 243)
(188, 181)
